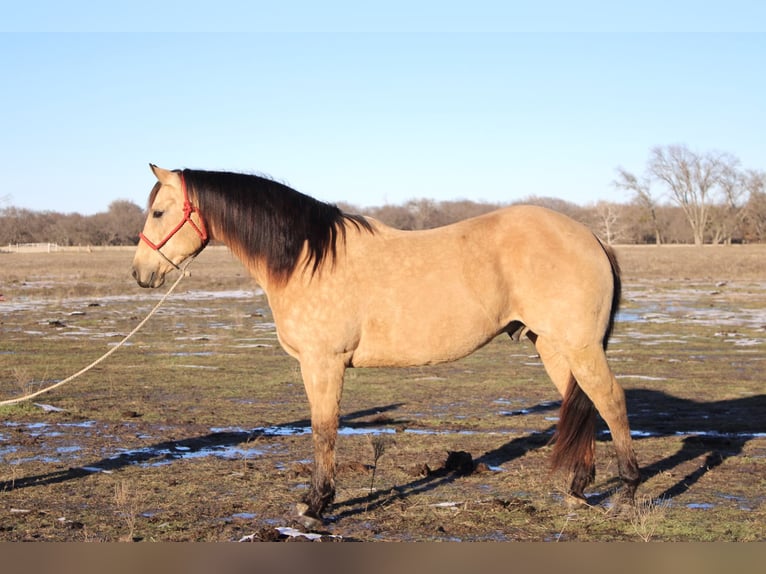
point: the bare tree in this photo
(125, 220)
(692, 181)
(754, 211)
(607, 220)
(425, 213)
(726, 217)
(642, 196)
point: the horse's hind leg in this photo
(590, 369)
(575, 448)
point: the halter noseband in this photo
(188, 208)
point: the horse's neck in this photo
(259, 271)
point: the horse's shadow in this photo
(167, 451)
(717, 430)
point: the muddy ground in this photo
(198, 430)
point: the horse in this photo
(348, 291)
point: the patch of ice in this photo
(700, 505)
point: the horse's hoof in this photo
(307, 518)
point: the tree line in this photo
(682, 196)
(119, 225)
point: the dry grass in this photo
(648, 515)
(23, 380)
(127, 502)
(689, 262)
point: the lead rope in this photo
(109, 352)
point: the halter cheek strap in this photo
(188, 209)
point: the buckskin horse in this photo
(349, 291)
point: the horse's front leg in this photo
(323, 381)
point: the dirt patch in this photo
(198, 429)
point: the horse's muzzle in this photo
(154, 280)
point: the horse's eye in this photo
(156, 214)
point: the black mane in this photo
(262, 218)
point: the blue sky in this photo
(370, 105)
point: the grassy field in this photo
(197, 429)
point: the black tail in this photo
(574, 449)
(617, 289)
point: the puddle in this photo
(741, 502)
(6, 450)
(543, 406)
(351, 431)
(642, 434)
(628, 317)
(716, 434)
(700, 505)
(638, 433)
(147, 456)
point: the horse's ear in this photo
(164, 175)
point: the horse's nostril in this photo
(135, 274)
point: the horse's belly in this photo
(420, 344)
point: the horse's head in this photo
(173, 232)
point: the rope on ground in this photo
(105, 355)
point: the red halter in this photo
(201, 229)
